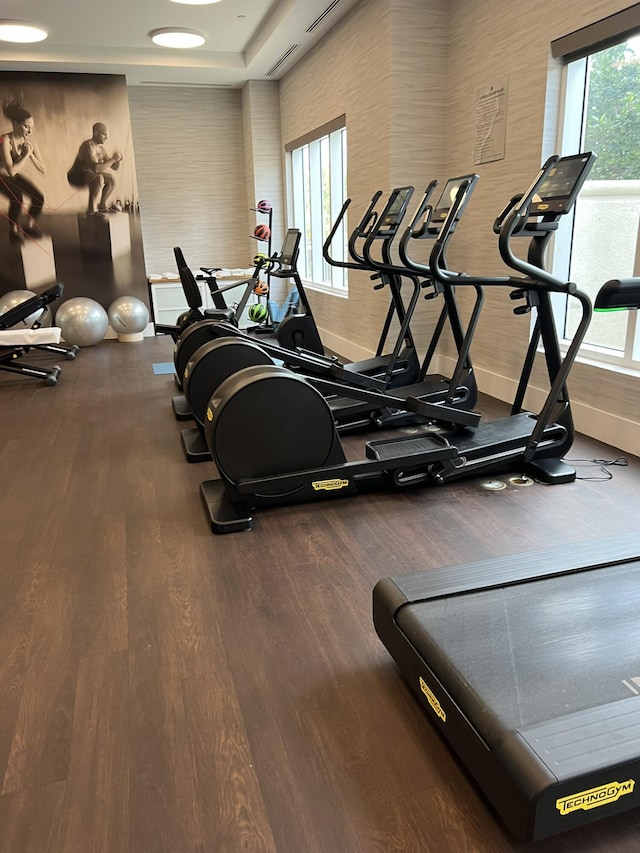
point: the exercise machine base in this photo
(194, 446)
(181, 408)
(224, 515)
(551, 471)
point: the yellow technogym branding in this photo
(595, 797)
(209, 414)
(431, 699)
(329, 485)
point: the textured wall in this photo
(384, 66)
(191, 175)
(263, 152)
(264, 168)
(490, 41)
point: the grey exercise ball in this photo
(128, 315)
(16, 297)
(83, 321)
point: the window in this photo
(317, 172)
(602, 114)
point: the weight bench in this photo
(15, 342)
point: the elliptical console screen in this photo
(396, 207)
(558, 191)
(290, 247)
(447, 198)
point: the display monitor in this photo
(558, 191)
(394, 211)
(289, 253)
(447, 198)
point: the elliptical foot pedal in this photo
(551, 471)
(224, 515)
(181, 408)
(194, 445)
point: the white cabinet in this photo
(168, 299)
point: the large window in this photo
(602, 114)
(318, 184)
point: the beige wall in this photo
(490, 41)
(384, 67)
(191, 176)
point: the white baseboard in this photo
(611, 429)
(149, 332)
(595, 423)
(347, 350)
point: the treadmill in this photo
(529, 667)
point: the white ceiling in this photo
(245, 38)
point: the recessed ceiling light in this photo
(21, 32)
(177, 37)
(196, 2)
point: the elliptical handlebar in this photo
(386, 229)
(515, 221)
(437, 265)
(363, 229)
(423, 212)
(418, 229)
(367, 221)
(499, 221)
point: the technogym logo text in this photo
(595, 797)
(329, 485)
(431, 699)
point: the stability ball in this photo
(83, 321)
(16, 297)
(128, 317)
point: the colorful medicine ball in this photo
(264, 205)
(262, 232)
(258, 313)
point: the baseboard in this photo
(346, 350)
(148, 332)
(611, 429)
(603, 426)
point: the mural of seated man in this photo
(93, 168)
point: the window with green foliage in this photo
(612, 114)
(602, 114)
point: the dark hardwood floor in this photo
(165, 690)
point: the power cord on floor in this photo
(602, 465)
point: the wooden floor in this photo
(165, 690)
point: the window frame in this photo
(316, 169)
(571, 133)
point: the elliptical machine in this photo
(461, 389)
(306, 460)
(300, 332)
(355, 400)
